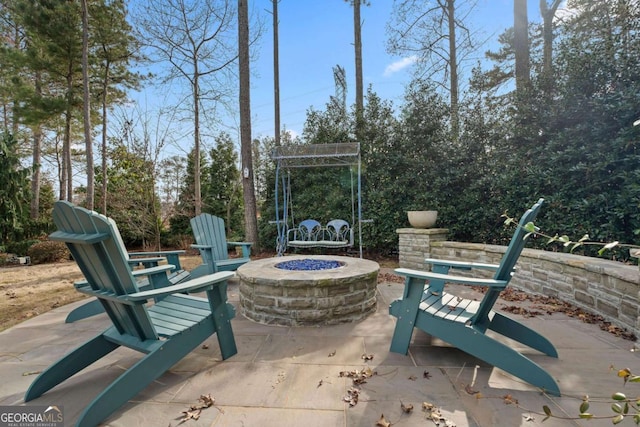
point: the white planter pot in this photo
(422, 219)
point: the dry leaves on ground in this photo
(194, 411)
(542, 304)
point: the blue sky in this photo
(316, 35)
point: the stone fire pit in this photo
(277, 296)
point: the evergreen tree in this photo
(222, 188)
(55, 48)
(14, 191)
(186, 200)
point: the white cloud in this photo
(394, 67)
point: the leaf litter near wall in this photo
(542, 304)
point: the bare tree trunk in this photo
(35, 174)
(548, 12)
(250, 209)
(66, 190)
(521, 44)
(453, 66)
(105, 179)
(37, 152)
(276, 74)
(86, 110)
(62, 172)
(196, 146)
(357, 37)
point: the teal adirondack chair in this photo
(427, 305)
(149, 280)
(165, 331)
(211, 240)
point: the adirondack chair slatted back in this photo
(209, 230)
(94, 242)
(507, 264)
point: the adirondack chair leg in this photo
(489, 350)
(69, 365)
(146, 370)
(516, 364)
(406, 311)
(88, 309)
(517, 331)
(222, 312)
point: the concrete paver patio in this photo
(290, 376)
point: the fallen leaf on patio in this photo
(205, 346)
(194, 411)
(508, 399)
(26, 374)
(406, 408)
(382, 422)
(359, 377)
(434, 414)
(387, 277)
(427, 406)
(190, 415)
(528, 418)
(367, 357)
(319, 383)
(426, 375)
(521, 311)
(412, 378)
(333, 353)
(352, 396)
(469, 390)
(207, 400)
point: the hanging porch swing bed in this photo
(311, 233)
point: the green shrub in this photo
(48, 251)
(20, 248)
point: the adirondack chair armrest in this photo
(246, 247)
(83, 287)
(158, 253)
(461, 280)
(194, 246)
(147, 262)
(194, 285)
(152, 270)
(81, 284)
(173, 257)
(461, 265)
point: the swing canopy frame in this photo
(297, 156)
